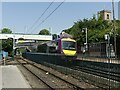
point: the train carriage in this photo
(64, 45)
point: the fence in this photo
(101, 50)
(77, 68)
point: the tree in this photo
(7, 44)
(54, 36)
(44, 32)
(6, 31)
(97, 28)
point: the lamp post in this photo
(107, 38)
(13, 44)
(114, 28)
(86, 31)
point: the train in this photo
(65, 45)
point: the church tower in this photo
(105, 14)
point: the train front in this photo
(69, 47)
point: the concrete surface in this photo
(13, 78)
(0, 78)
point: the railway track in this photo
(99, 78)
(94, 76)
(102, 73)
(6, 62)
(47, 85)
(105, 75)
(56, 81)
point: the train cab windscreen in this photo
(68, 45)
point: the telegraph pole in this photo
(86, 38)
(13, 44)
(50, 30)
(86, 43)
(114, 27)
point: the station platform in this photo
(104, 60)
(12, 77)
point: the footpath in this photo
(11, 77)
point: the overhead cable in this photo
(41, 15)
(49, 15)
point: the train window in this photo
(52, 50)
(68, 45)
(52, 43)
(57, 43)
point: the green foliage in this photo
(118, 27)
(6, 31)
(54, 36)
(44, 32)
(97, 28)
(7, 44)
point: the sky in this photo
(20, 16)
(119, 10)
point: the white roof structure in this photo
(26, 36)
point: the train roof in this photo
(68, 39)
(65, 35)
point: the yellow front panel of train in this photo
(69, 52)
